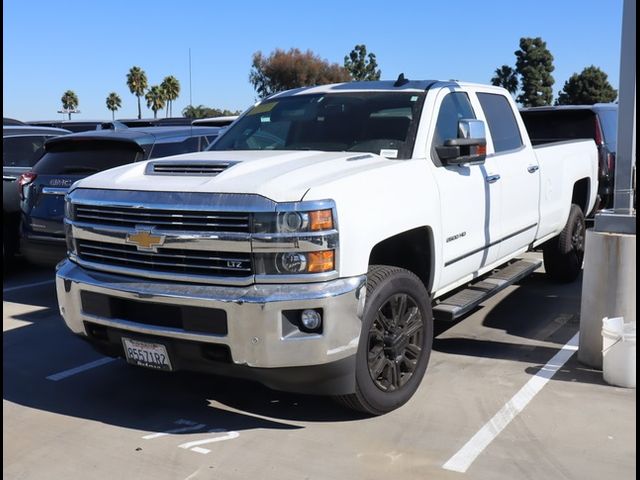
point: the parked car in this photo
(22, 147)
(6, 121)
(71, 125)
(77, 156)
(312, 245)
(571, 122)
(156, 122)
(215, 121)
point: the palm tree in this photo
(192, 111)
(69, 101)
(113, 103)
(137, 83)
(506, 77)
(171, 87)
(155, 99)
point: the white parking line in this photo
(190, 428)
(28, 285)
(226, 436)
(87, 366)
(463, 459)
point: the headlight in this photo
(293, 221)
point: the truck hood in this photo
(282, 176)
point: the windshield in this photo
(377, 122)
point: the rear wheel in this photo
(395, 341)
(563, 255)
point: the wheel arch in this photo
(412, 250)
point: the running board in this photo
(464, 301)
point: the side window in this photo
(502, 123)
(455, 106)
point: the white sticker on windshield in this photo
(414, 98)
(389, 153)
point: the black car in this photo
(71, 125)
(22, 147)
(569, 122)
(77, 156)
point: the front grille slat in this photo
(170, 260)
(154, 213)
(188, 220)
(170, 223)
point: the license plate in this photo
(146, 354)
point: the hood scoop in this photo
(187, 167)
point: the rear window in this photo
(22, 151)
(558, 125)
(502, 123)
(86, 161)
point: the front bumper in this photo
(258, 334)
(43, 250)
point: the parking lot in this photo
(70, 413)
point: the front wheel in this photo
(563, 255)
(395, 341)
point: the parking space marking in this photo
(28, 285)
(87, 366)
(227, 436)
(191, 428)
(463, 459)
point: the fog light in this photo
(310, 319)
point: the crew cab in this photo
(312, 245)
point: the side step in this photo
(466, 300)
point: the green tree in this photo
(200, 111)
(137, 83)
(506, 77)
(534, 64)
(155, 98)
(171, 87)
(292, 69)
(586, 88)
(69, 101)
(362, 66)
(113, 103)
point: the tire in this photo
(563, 254)
(391, 361)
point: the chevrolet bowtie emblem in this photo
(145, 240)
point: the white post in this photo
(609, 284)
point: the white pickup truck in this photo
(312, 246)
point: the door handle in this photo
(493, 178)
(532, 168)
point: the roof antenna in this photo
(401, 81)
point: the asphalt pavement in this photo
(504, 397)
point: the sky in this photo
(89, 46)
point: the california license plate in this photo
(146, 354)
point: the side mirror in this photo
(469, 148)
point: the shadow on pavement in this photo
(135, 398)
(539, 310)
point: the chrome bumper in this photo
(254, 314)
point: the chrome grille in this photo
(182, 220)
(192, 262)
